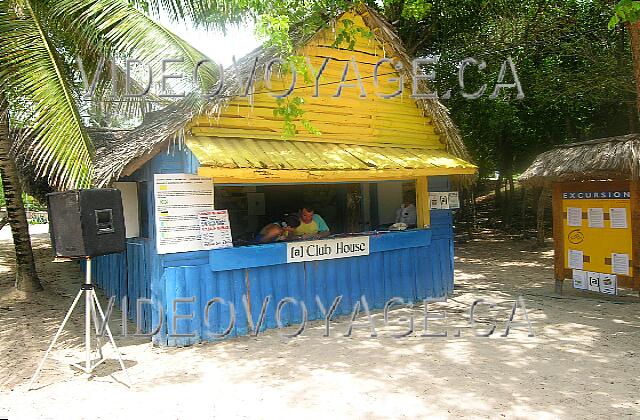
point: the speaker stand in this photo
(91, 302)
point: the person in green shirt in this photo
(312, 225)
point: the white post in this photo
(87, 317)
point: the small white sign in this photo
(439, 201)
(574, 216)
(215, 231)
(576, 259)
(327, 249)
(434, 201)
(618, 218)
(454, 200)
(580, 279)
(620, 263)
(594, 281)
(609, 284)
(595, 217)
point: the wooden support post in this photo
(422, 202)
(558, 237)
(634, 189)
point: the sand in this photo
(582, 363)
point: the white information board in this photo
(327, 249)
(215, 229)
(179, 198)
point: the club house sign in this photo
(327, 249)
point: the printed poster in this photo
(620, 263)
(439, 201)
(618, 218)
(595, 217)
(594, 281)
(576, 259)
(215, 230)
(580, 280)
(454, 200)
(179, 198)
(574, 216)
(608, 284)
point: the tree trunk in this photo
(523, 210)
(540, 217)
(26, 276)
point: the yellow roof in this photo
(278, 160)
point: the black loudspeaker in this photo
(86, 223)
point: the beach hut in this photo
(596, 212)
(228, 153)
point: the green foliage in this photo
(416, 9)
(348, 34)
(290, 110)
(576, 74)
(274, 31)
(625, 11)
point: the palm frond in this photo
(204, 13)
(53, 137)
(115, 27)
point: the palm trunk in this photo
(26, 276)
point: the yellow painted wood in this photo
(349, 119)
(421, 140)
(266, 176)
(363, 139)
(398, 107)
(422, 202)
(280, 155)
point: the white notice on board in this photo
(454, 200)
(215, 229)
(595, 217)
(178, 200)
(580, 279)
(439, 201)
(608, 284)
(574, 216)
(594, 281)
(618, 218)
(620, 264)
(576, 259)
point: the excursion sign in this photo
(327, 249)
(596, 195)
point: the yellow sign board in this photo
(597, 230)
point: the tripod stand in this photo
(91, 302)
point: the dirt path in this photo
(582, 363)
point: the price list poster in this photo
(179, 199)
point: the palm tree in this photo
(39, 87)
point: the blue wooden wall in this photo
(414, 266)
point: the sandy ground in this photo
(582, 363)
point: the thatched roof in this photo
(601, 159)
(159, 128)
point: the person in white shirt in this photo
(407, 214)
